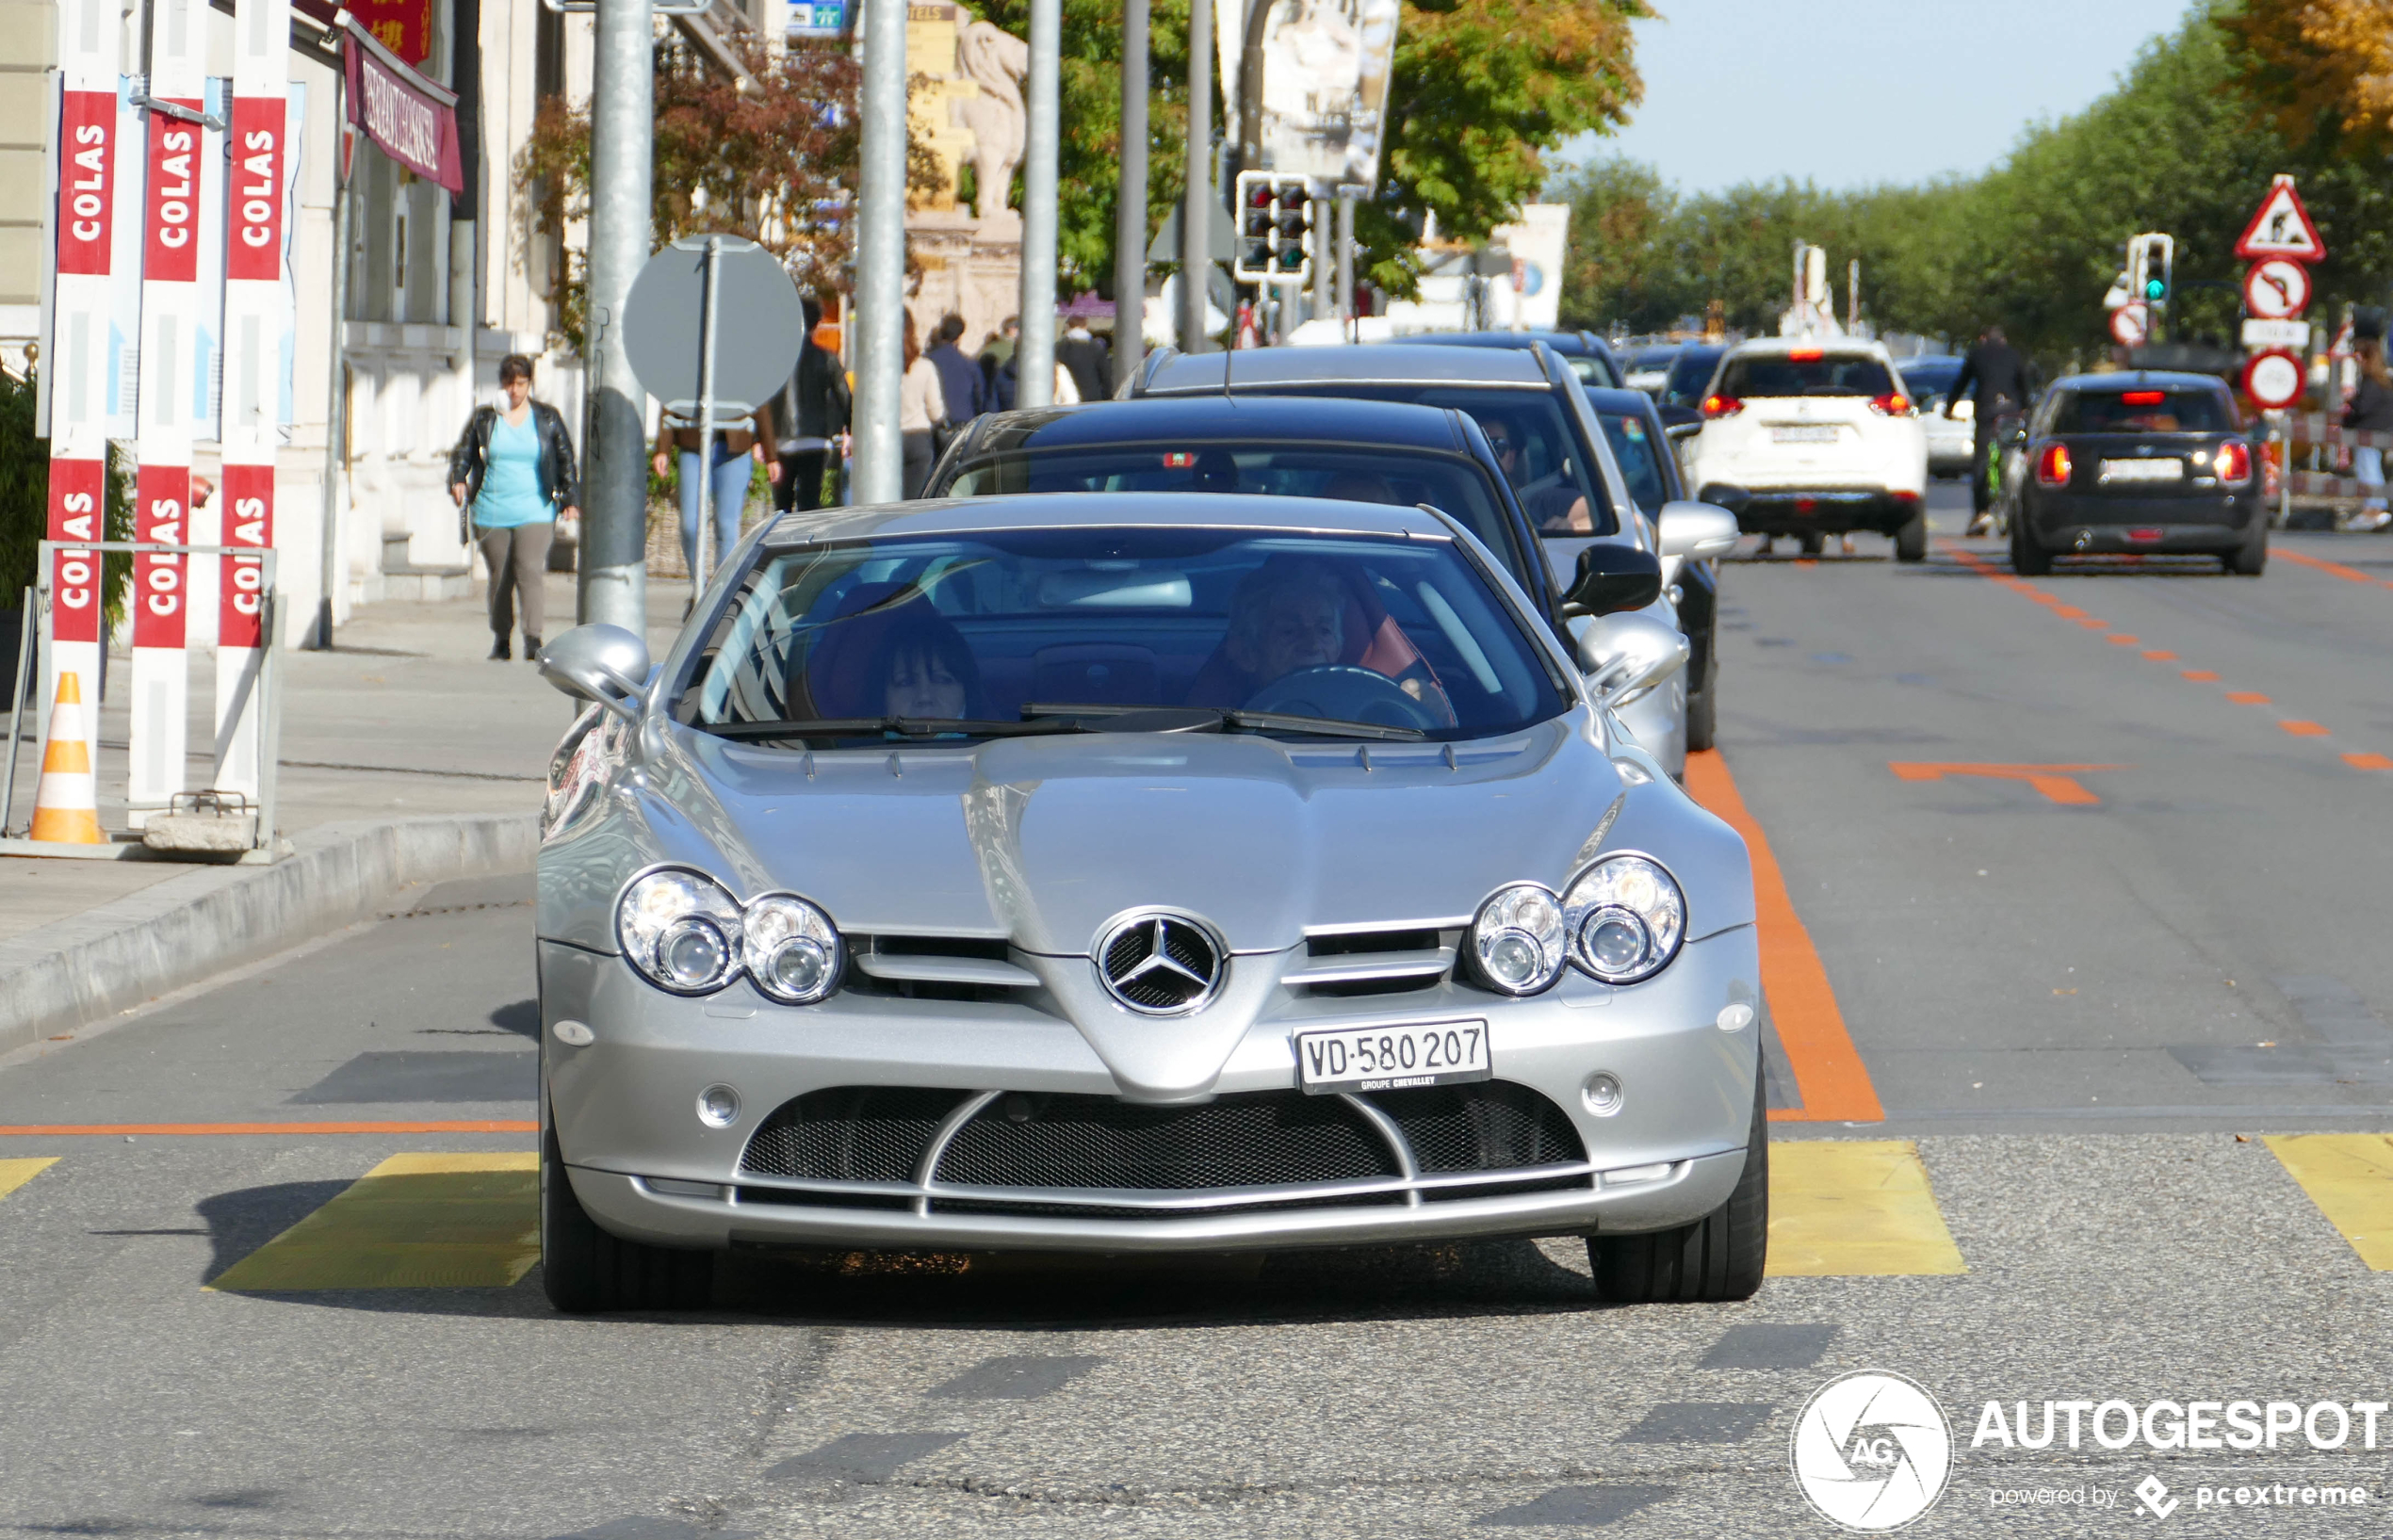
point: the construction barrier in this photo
(2324, 444)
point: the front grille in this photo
(1105, 1211)
(1363, 943)
(852, 1133)
(1481, 1125)
(1250, 1139)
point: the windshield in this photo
(1639, 456)
(900, 636)
(1767, 374)
(2142, 411)
(1377, 475)
(1533, 443)
(1690, 376)
(1930, 379)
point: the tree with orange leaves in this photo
(2316, 67)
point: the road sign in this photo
(2277, 288)
(761, 325)
(2273, 379)
(2282, 228)
(2130, 324)
(2261, 332)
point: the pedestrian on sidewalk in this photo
(960, 381)
(2372, 410)
(922, 410)
(514, 467)
(994, 352)
(812, 412)
(739, 448)
(1089, 360)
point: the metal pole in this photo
(28, 619)
(1325, 272)
(1129, 199)
(880, 260)
(1250, 88)
(1196, 214)
(1034, 355)
(336, 391)
(706, 417)
(613, 583)
(1346, 265)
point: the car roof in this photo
(1277, 419)
(1576, 344)
(1262, 369)
(1619, 398)
(1928, 361)
(2141, 379)
(1100, 509)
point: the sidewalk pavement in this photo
(407, 757)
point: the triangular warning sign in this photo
(2282, 228)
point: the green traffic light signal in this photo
(2154, 288)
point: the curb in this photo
(196, 925)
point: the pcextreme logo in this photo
(1872, 1450)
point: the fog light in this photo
(718, 1106)
(1602, 1095)
(1735, 1017)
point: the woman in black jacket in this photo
(2371, 409)
(515, 466)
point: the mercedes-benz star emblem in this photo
(1160, 965)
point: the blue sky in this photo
(1848, 92)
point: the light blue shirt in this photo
(510, 496)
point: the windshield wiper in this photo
(1208, 718)
(897, 726)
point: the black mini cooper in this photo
(2142, 463)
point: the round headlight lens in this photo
(1518, 940)
(791, 948)
(676, 927)
(1627, 917)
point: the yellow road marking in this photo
(14, 1173)
(413, 1222)
(1855, 1209)
(2350, 1177)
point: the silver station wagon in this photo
(1136, 873)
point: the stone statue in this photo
(995, 61)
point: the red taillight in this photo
(1722, 406)
(2052, 467)
(2144, 398)
(2234, 463)
(1806, 355)
(1893, 404)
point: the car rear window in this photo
(1692, 376)
(2143, 411)
(1806, 374)
(1640, 455)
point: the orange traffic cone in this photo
(66, 806)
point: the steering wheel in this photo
(1342, 692)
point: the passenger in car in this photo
(926, 671)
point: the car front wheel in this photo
(1717, 1257)
(583, 1269)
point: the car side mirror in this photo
(1682, 429)
(1722, 495)
(1625, 656)
(1697, 530)
(602, 663)
(1613, 578)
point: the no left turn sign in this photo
(2276, 289)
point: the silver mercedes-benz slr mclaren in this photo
(1136, 873)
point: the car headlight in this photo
(1625, 918)
(680, 929)
(1519, 943)
(791, 948)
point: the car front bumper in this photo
(648, 1168)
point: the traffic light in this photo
(1274, 229)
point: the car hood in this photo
(1043, 842)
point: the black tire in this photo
(583, 1269)
(1813, 541)
(1911, 541)
(1703, 717)
(2028, 558)
(2250, 558)
(1717, 1257)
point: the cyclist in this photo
(1995, 377)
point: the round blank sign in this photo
(759, 323)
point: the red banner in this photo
(248, 501)
(78, 491)
(86, 170)
(174, 253)
(403, 27)
(164, 496)
(259, 161)
(413, 120)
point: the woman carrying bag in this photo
(514, 466)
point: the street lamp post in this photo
(880, 260)
(1129, 199)
(1195, 218)
(1035, 358)
(613, 582)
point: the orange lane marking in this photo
(1805, 563)
(2367, 761)
(2067, 613)
(472, 1125)
(2056, 782)
(2350, 575)
(1829, 1076)
(2120, 638)
(2304, 729)
(2159, 655)
(2202, 676)
(2092, 625)
(2247, 697)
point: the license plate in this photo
(1802, 435)
(1389, 1058)
(2143, 470)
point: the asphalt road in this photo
(2070, 990)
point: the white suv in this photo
(1813, 438)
